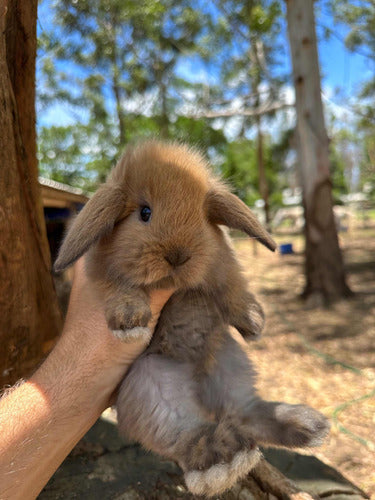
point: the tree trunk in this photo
(324, 269)
(263, 184)
(29, 314)
(255, 79)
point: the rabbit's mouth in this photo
(181, 277)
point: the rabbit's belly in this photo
(157, 401)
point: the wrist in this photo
(84, 369)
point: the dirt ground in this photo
(324, 358)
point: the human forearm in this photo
(42, 420)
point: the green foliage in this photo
(254, 28)
(241, 170)
(59, 154)
(76, 156)
(113, 65)
(111, 62)
(368, 165)
(199, 133)
(360, 18)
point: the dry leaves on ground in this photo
(324, 358)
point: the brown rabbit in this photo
(154, 224)
(190, 396)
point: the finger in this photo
(158, 299)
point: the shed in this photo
(60, 203)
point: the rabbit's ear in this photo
(226, 209)
(96, 219)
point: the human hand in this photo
(42, 419)
(88, 343)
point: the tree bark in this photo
(29, 314)
(255, 78)
(263, 184)
(324, 268)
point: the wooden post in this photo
(29, 314)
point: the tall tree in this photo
(113, 62)
(29, 313)
(251, 72)
(324, 268)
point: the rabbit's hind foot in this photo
(220, 477)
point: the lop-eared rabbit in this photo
(191, 396)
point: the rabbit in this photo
(154, 224)
(191, 397)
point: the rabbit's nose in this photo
(177, 256)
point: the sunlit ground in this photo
(325, 358)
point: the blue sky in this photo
(340, 67)
(342, 71)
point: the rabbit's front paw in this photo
(251, 323)
(132, 334)
(128, 320)
(303, 426)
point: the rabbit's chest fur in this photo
(190, 328)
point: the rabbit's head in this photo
(154, 221)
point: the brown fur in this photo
(187, 203)
(191, 396)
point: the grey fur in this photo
(191, 395)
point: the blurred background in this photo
(280, 95)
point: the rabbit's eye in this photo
(145, 213)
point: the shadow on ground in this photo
(103, 467)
